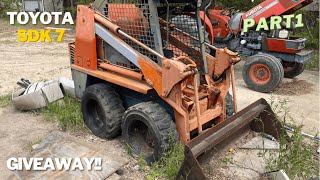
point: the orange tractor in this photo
(136, 72)
(272, 54)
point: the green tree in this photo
(241, 5)
(9, 5)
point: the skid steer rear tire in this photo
(262, 72)
(292, 69)
(148, 130)
(102, 110)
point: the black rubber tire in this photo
(274, 66)
(159, 124)
(229, 105)
(279, 64)
(297, 69)
(102, 110)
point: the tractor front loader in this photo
(137, 73)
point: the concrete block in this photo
(278, 175)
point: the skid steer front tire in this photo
(148, 130)
(102, 110)
(262, 72)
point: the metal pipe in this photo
(197, 103)
(140, 44)
(108, 24)
(42, 5)
(167, 19)
(120, 70)
(317, 138)
(206, 10)
(233, 88)
(201, 39)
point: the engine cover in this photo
(235, 21)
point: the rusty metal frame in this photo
(171, 90)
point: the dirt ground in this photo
(34, 61)
(19, 131)
(40, 61)
(301, 95)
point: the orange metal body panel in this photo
(175, 82)
(152, 73)
(118, 79)
(209, 28)
(222, 29)
(275, 8)
(121, 71)
(85, 50)
(205, 117)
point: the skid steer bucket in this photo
(257, 117)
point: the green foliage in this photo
(313, 65)
(5, 100)
(310, 31)
(168, 166)
(296, 157)
(9, 5)
(141, 162)
(67, 112)
(84, 1)
(243, 5)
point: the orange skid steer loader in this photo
(137, 73)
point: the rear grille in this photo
(134, 18)
(71, 52)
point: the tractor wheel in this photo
(262, 72)
(148, 129)
(102, 110)
(292, 69)
(229, 105)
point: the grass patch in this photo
(296, 157)
(168, 166)
(67, 112)
(313, 65)
(5, 100)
